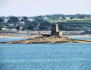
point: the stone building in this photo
(55, 31)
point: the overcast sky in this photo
(43, 7)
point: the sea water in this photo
(81, 37)
(61, 56)
(12, 39)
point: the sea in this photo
(60, 56)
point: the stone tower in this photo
(55, 31)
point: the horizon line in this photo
(46, 15)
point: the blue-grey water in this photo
(12, 39)
(81, 38)
(18, 34)
(61, 56)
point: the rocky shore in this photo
(52, 39)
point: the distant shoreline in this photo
(31, 36)
(37, 35)
(77, 35)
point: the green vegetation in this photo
(78, 22)
(70, 20)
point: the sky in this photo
(43, 7)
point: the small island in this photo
(55, 37)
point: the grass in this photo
(70, 20)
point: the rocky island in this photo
(55, 37)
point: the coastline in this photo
(77, 35)
(32, 36)
(42, 39)
(47, 40)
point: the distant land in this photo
(78, 22)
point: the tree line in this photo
(42, 23)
